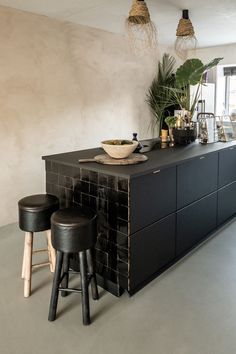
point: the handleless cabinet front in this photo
(195, 221)
(152, 197)
(226, 202)
(227, 166)
(196, 178)
(151, 249)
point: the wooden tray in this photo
(107, 160)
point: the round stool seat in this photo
(74, 229)
(35, 212)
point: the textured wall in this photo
(62, 87)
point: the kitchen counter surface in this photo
(158, 158)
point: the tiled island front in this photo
(151, 214)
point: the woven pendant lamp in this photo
(141, 30)
(185, 36)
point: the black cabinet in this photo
(151, 249)
(227, 166)
(152, 197)
(226, 202)
(194, 222)
(196, 178)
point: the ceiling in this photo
(214, 20)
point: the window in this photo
(230, 90)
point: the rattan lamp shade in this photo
(185, 36)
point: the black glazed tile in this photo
(101, 257)
(122, 268)
(102, 179)
(101, 243)
(84, 187)
(48, 166)
(123, 212)
(112, 182)
(85, 199)
(93, 203)
(55, 190)
(102, 192)
(76, 173)
(112, 195)
(123, 184)
(93, 189)
(66, 181)
(122, 240)
(77, 193)
(84, 175)
(112, 221)
(66, 170)
(102, 230)
(102, 218)
(107, 272)
(54, 167)
(123, 198)
(123, 281)
(102, 205)
(122, 226)
(49, 188)
(122, 254)
(93, 177)
(52, 177)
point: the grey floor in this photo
(190, 309)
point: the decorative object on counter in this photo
(207, 128)
(139, 147)
(107, 160)
(185, 36)
(170, 89)
(34, 216)
(164, 135)
(118, 148)
(149, 144)
(171, 121)
(74, 231)
(141, 30)
(185, 135)
(225, 128)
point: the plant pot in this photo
(185, 135)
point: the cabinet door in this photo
(226, 202)
(152, 197)
(151, 249)
(195, 221)
(196, 178)
(227, 166)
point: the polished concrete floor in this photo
(190, 309)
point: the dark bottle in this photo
(139, 147)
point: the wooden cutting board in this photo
(107, 160)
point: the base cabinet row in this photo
(159, 244)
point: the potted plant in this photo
(170, 89)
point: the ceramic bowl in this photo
(118, 148)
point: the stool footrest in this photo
(38, 265)
(70, 290)
(40, 250)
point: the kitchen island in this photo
(151, 214)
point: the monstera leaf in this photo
(190, 73)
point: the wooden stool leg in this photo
(84, 288)
(65, 280)
(55, 287)
(91, 270)
(51, 252)
(24, 256)
(27, 263)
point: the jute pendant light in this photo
(185, 36)
(141, 30)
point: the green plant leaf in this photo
(189, 73)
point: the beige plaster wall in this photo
(63, 87)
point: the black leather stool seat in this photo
(35, 212)
(74, 229)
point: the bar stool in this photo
(34, 215)
(74, 230)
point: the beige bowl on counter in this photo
(118, 148)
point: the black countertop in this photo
(158, 158)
